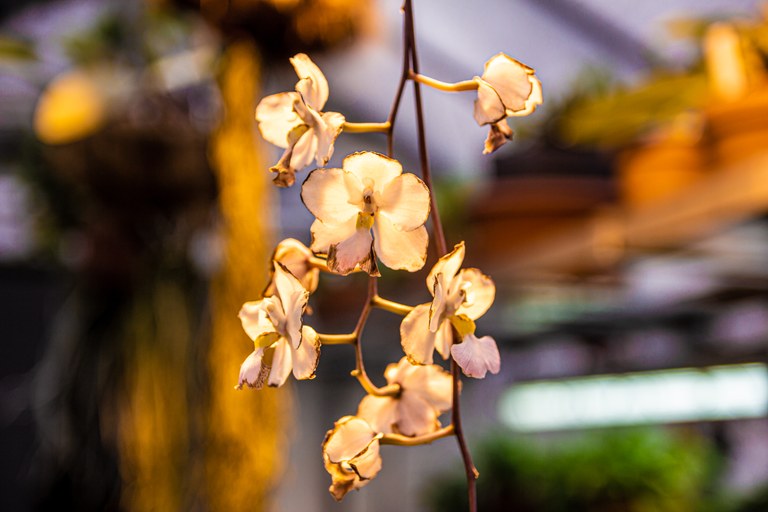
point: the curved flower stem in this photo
(367, 127)
(391, 306)
(466, 85)
(402, 440)
(439, 236)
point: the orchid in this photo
(425, 393)
(507, 88)
(281, 343)
(369, 192)
(460, 298)
(294, 121)
(351, 455)
(297, 258)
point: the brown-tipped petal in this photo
(511, 79)
(305, 358)
(447, 265)
(499, 134)
(489, 108)
(368, 463)
(477, 356)
(252, 372)
(324, 235)
(356, 250)
(350, 436)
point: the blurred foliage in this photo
(624, 470)
(12, 49)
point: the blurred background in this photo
(625, 228)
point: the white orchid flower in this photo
(460, 298)
(295, 256)
(282, 344)
(295, 121)
(425, 393)
(369, 192)
(508, 88)
(351, 455)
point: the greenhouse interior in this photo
(373, 256)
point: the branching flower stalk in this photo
(371, 212)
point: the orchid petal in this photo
(328, 129)
(400, 250)
(276, 117)
(356, 250)
(379, 412)
(350, 436)
(405, 202)
(373, 167)
(480, 293)
(489, 108)
(415, 337)
(368, 464)
(293, 297)
(433, 384)
(325, 235)
(252, 373)
(312, 85)
(304, 150)
(305, 358)
(511, 79)
(499, 134)
(415, 416)
(332, 195)
(254, 318)
(282, 362)
(476, 356)
(448, 266)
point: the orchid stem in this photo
(391, 306)
(401, 440)
(337, 339)
(439, 237)
(466, 85)
(367, 127)
(371, 388)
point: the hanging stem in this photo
(402, 440)
(439, 236)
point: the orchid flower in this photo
(351, 455)
(295, 256)
(508, 88)
(294, 121)
(425, 393)
(369, 192)
(281, 342)
(460, 298)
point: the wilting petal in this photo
(315, 89)
(282, 362)
(476, 356)
(355, 250)
(510, 79)
(479, 293)
(535, 99)
(304, 150)
(293, 297)
(332, 195)
(253, 315)
(499, 134)
(400, 250)
(328, 129)
(368, 464)
(350, 436)
(305, 358)
(325, 235)
(415, 416)
(448, 266)
(295, 256)
(438, 306)
(430, 382)
(252, 373)
(379, 412)
(417, 341)
(373, 168)
(405, 202)
(277, 118)
(489, 108)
